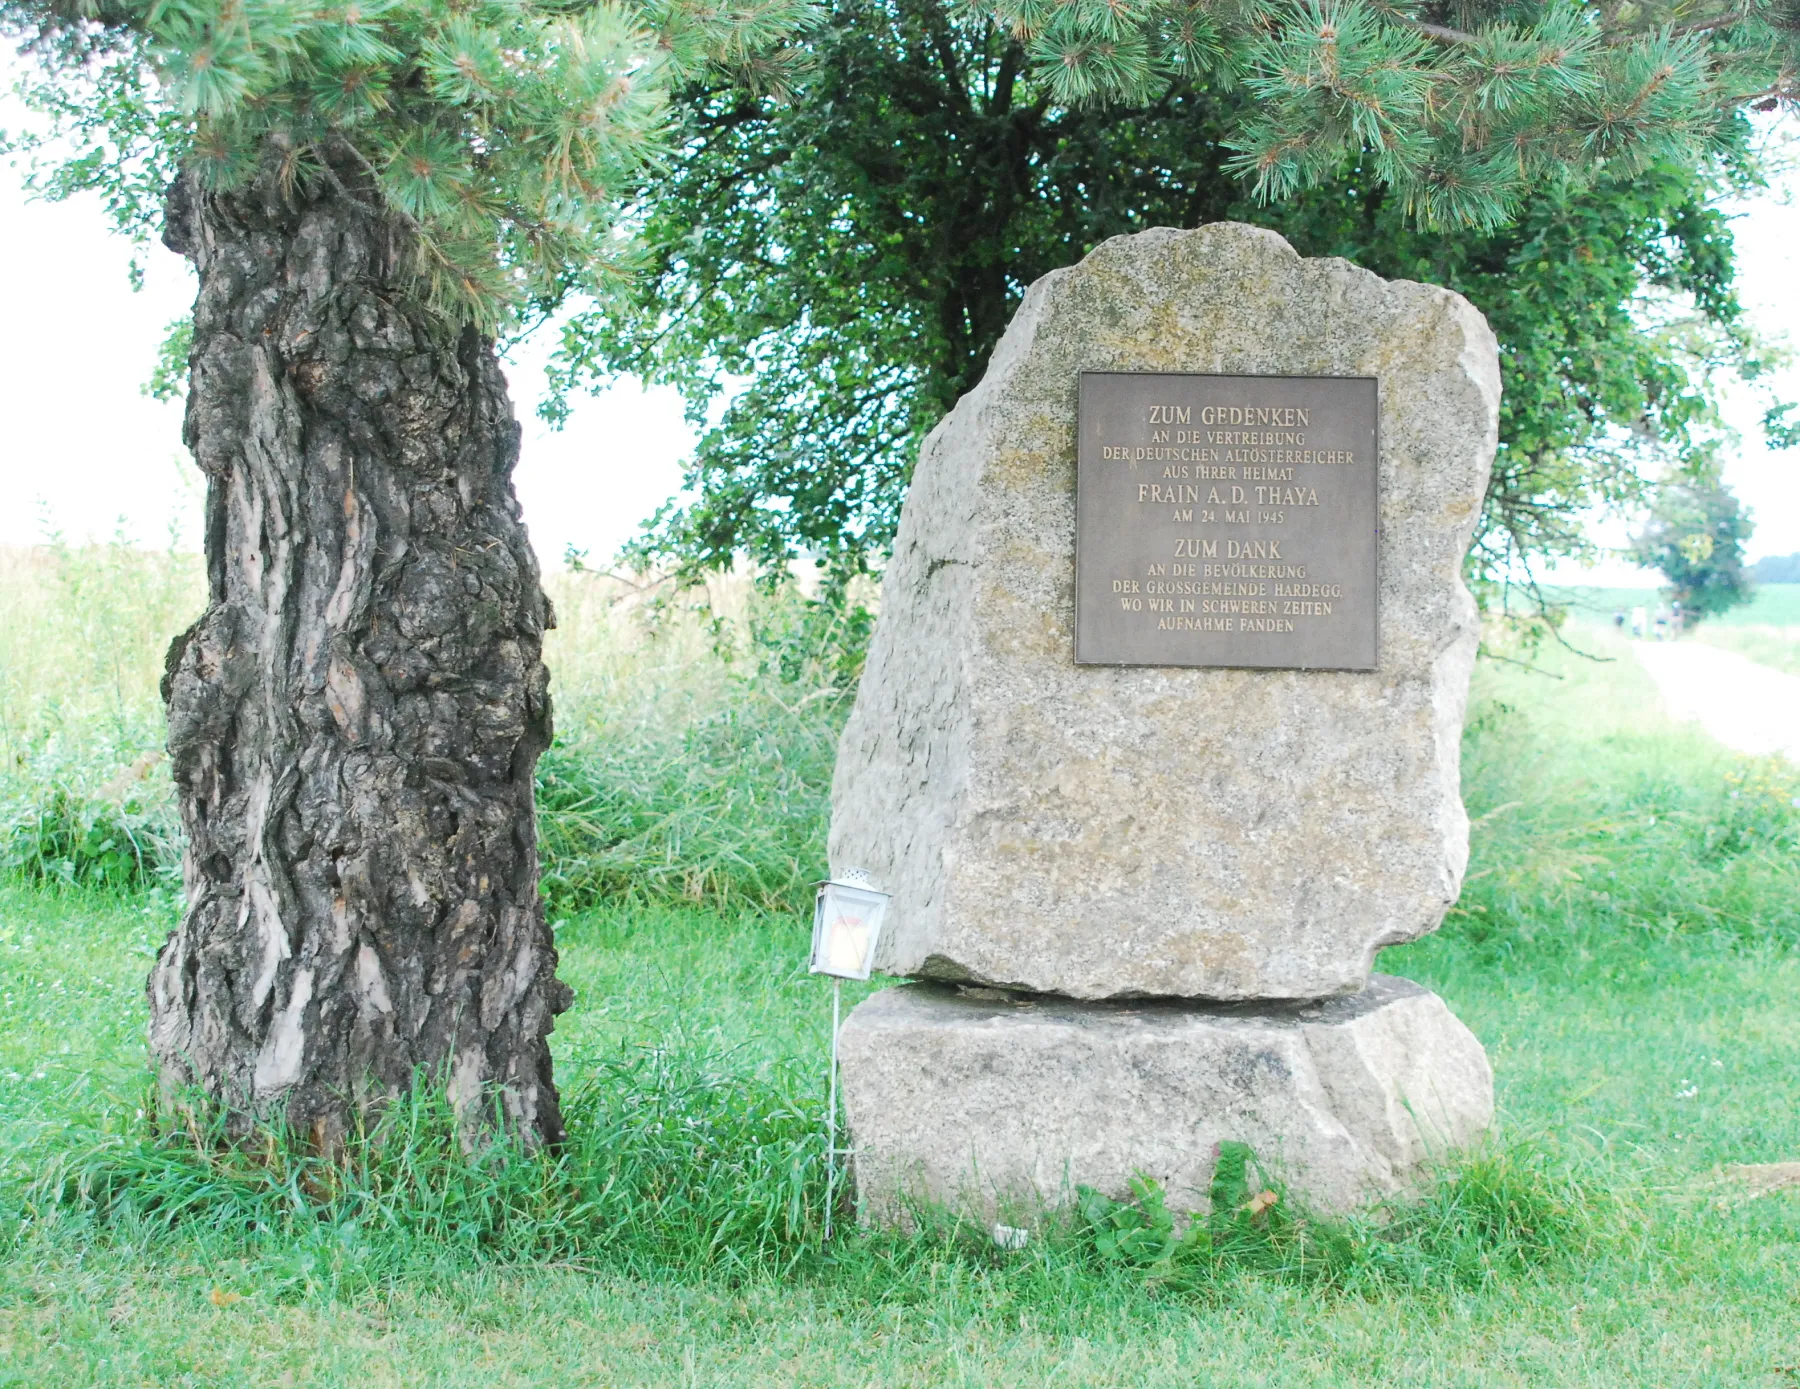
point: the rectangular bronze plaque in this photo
(1226, 521)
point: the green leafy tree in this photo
(369, 190)
(838, 267)
(1695, 535)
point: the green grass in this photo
(1625, 949)
(1770, 605)
(1775, 605)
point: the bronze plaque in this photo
(1226, 521)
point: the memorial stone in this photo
(1164, 703)
(1181, 825)
(1026, 1095)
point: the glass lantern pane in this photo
(848, 924)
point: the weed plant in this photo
(1499, 1211)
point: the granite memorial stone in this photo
(1157, 741)
(1179, 825)
(1011, 1101)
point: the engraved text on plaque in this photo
(1226, 521)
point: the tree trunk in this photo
(354, 720)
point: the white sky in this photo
(85, 453)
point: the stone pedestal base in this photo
(989, 1104)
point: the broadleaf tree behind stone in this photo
(368, 192)
(827, 276)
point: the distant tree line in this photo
(1777, 569)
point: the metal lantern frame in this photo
(855, 890)
(834, 894)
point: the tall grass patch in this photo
(683, 1166)
(696, 736)
(1595, 819)
(84, 786)
(677, 1162)
(696, 728)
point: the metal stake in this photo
(831, 1147)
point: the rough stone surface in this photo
(1201, 833)
(997, 1105)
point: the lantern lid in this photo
(853, 877)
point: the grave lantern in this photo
(847, 925)
(846, 928)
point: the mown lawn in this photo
(1625, 949)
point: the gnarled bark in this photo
(354, 720)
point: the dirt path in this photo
(1744, 705)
